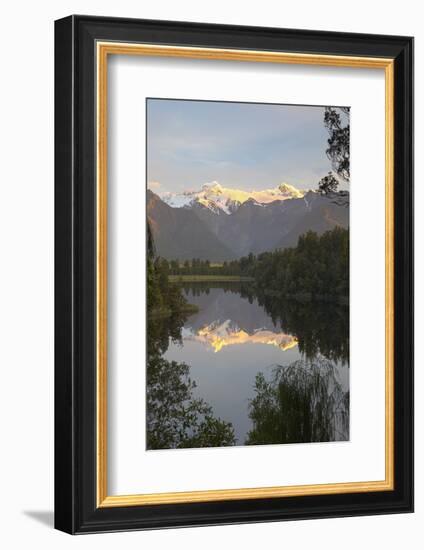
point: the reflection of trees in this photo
(160, 330)
(203, 287)
(175, 419)
(321, 328)
(303, 402)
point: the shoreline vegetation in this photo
(305, 297)
(300, 402)
(210, 278)
(164, 299)
(317, 269)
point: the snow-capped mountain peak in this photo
(218, 198)
(214, 188)
(290, 190)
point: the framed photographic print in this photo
(233, 272)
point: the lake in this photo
(276, 370)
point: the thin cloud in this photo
(244, 146)
(153, 185)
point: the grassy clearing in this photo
(207, 278)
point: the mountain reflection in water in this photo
(275, 371)
(216, 336)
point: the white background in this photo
(131, 80)
(26, 289)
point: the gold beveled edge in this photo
(244, 494)
(122, 48)
(118, 48)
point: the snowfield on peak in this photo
(212, 224)
(218, 198)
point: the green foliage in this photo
(328, 184)
(197, 266)
(320, 328)
(336, 120)
(318, 268)
(209, 432)
(154, 296)
(162, 296)
(303, 402)
(175, 418)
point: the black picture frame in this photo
(76, 510)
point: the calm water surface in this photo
(237, 334)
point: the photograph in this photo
(233, 255)
(209, 311)
(247, 273)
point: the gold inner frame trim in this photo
(103, 50)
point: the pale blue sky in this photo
(240, 145)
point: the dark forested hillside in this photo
(179, 233)
(198, 232)
(317, 268)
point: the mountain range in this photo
(219, 223)
(217, 198)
